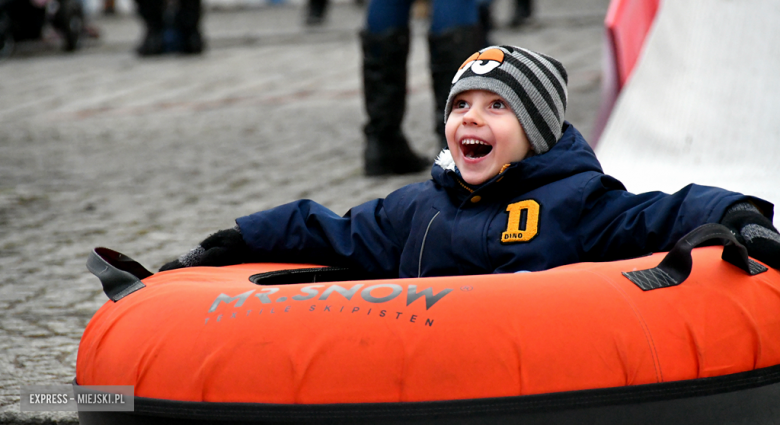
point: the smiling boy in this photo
(518, 189)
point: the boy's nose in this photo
(472, 117)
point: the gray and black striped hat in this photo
(532, 83)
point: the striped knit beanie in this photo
(532, 83)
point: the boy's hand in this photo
(754, 231)
(223, 248)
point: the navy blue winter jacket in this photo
(545, 211)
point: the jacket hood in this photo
(571, 155)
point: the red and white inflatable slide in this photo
(696, 92)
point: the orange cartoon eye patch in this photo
(491, 54)
(481, 63)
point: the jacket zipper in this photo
(422, 248)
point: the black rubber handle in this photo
(119, 274)
(678, 263)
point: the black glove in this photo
(754, 231)
(223, 248)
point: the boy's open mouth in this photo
(474, 149)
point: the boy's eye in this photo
(460, 104)
(498, 104)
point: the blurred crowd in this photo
(457, 28)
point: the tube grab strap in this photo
(119, 274)
(677, 265)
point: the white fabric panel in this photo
(703, 103)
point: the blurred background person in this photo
(170, 27)
(454, 34)
(34, 20)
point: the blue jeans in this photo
(383, 15)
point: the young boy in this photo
(518, 189)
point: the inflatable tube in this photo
(694, 339)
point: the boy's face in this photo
(483, 134)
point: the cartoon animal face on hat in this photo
(533, 84)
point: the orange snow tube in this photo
(694, 339)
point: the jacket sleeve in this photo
(307, 232)
(616, 224)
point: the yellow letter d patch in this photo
(523, 212)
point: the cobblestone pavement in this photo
(148, 157)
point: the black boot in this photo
(384, 88)
(523, 11)
(6, 36)
(151, 12)
(448, 51)
(315, 14)
(69, 20)
(485, 22)
(187, 23)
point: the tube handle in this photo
(119, 274)
(678, 263)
